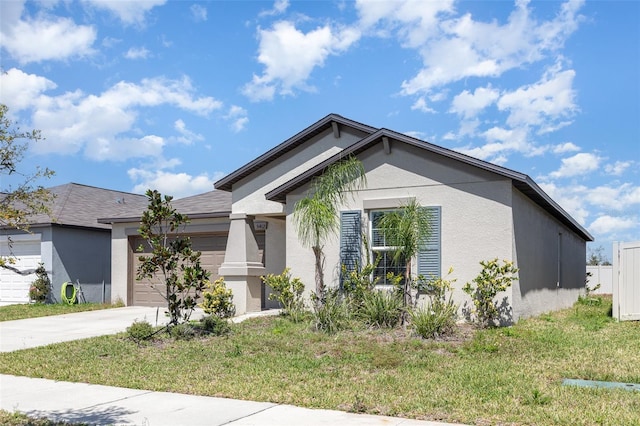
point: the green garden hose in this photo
(63, 293)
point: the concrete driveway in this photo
(33, 332)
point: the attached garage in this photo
(14, 288)
(149, 292)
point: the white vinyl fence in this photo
(603, 275)
(626, 281)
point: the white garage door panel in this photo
(14, 288)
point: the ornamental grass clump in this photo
(381, 308)
(438, 318)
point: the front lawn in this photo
(16, 312)
(501, 376)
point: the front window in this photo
(382, 252)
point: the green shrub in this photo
(357, 283)
(139, 331)
(218, 299)
(41, 286)
(215, 325)
(183, 331)
(288, 292)
(330, 313)
(439, 316)
(381, 308)
(493, 279)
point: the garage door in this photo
(14, 288)
(212, 246)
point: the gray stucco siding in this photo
(476, 211)
(84, 255)
(547, 253)
(248, 194)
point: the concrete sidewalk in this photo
(106, 405)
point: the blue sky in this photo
(174, 95)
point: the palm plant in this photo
(316, 215)
(406, 230)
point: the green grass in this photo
(499, 376)
(16, 312)
(18, 419)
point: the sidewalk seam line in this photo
(249, 415)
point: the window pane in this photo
(386, 265)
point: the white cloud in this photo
(618, 167)
(542, 103)
(290, 55)
(570, 198)
(137, 53)
(499, 142)
(470, 104)
(279, 7)
(579, 164)
(606, 224)
(421, 105)
(414, 21)
(129, 12)
(238, 118)
(565, 147)
(101, 125)
(198, 12)
(186, 135)
(19, 89)
(463, 47)
(42, 38)
(176, 184)
(119, 149)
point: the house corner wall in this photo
(551, 259)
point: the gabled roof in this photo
(521, 181)
(81, 205)
(318, 127)
(207, 205)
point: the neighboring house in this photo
(480, 211)
(70, 243)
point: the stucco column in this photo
(242, 265)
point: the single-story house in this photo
(480, 211)
(70, 243)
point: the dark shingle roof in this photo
(81, 205)
(209, 204)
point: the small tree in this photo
(493, 279)
(597, 257)
(41, 286)
(24, 199)
(406, 231)
(315, 216)
(172, 259)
